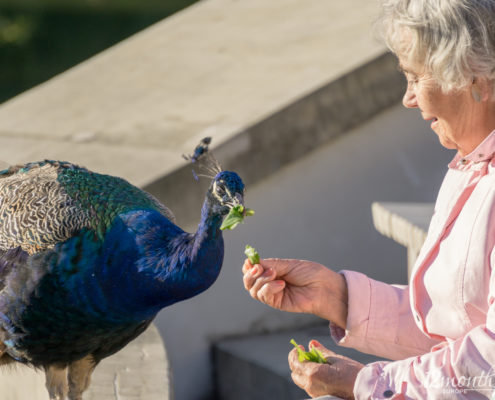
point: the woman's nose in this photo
(409, 99)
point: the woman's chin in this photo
(446, 142)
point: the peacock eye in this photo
(220, 189)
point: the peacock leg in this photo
(56, 382)
(4, 357)
(79, 377)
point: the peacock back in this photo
(45, 203)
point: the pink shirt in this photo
(441, 327)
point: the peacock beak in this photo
(238, 199)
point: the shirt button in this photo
(463, 161)
(388, 394)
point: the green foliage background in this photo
(41, 38)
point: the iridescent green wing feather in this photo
(44, 203)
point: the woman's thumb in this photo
(315, 343)
(279, 265)
(326, 352)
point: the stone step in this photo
(255, 367)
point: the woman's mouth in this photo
(434, 121)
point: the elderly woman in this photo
(441, 328)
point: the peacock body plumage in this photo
(87, 260)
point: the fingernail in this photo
(314, 343)
(255, 270)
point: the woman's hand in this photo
(335, 378)
(298, 286)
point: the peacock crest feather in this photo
(203, 159)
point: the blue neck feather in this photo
(162, 264)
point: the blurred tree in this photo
(41, 38)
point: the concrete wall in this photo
(317, 208)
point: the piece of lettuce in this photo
(314, 355)
(235, 216)
(252, 255)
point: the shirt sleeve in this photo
(454, 369)
(380, 320)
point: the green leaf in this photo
(248, 212)
(300, 353)
(317, 356)
(235, 216)
(252, 254)
(314, 355)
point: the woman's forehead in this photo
(408, 63)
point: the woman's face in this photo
(459, 121)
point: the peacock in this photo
(87, 260)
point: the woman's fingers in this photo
(246, 266)
(302, 373)
(336, 377)
(260, 277)
(260, 280)
(261, 284)
(327, 353)
(294, 362)
(269, 290)
(251, 275)
(299, 379)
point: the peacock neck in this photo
(209, 225)
(172, 265)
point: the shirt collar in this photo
(484, 152)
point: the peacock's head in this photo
(226, 191)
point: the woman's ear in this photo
(481, 89)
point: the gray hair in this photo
(453, 39)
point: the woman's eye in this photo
(412, 80)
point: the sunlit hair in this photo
(453, 39)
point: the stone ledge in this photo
(406, 223)
(139, 371)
